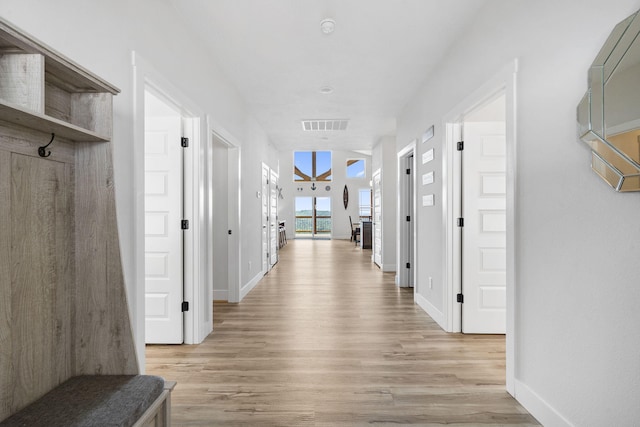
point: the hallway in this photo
(326, 339)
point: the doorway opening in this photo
(483, 229)
(270, 222)
(406, 217)
(219, 219)
(313, 217)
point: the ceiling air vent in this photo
(324, 125)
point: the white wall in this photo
(340, 221)
(384, 157)
(577, 350)
(100, 36)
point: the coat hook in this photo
(42, 150)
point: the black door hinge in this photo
(185, 224)
(408, 265)
(408, 218)
(184, 142)
(229, 232)
(460, 222)
(267, 255)
(408, 171)
(185, 306)
(460, 145)
(460, 298)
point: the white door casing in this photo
(377, 219)
(273, 219)
(484, 231)
(163, 234)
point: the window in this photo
(312, 166)
(355, 168)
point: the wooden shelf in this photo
(40, 122)
(43, 90)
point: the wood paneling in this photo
(6, 342)
(104, 340)
(42, 280)
(326, 339)
(22, 80)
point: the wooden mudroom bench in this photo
(67, 347)
(100, 401)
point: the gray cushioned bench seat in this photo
(92, 401)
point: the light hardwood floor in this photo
(326, 339)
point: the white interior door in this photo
(266, 265)
(377, 220)
(411, 232)
(164, 273)
(484, 231)
(219, 220)
(273, 218)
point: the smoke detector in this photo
(327, 25)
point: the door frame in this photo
(503, 81)
(216, 133)
(403, 229)
(214, 129)
(195, 290)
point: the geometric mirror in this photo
(609, 113)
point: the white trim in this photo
(402, 279)
(431, 310)
(504, 80)
(538, 407)
(249, 286)
(195, 291)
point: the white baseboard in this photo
(220, 295)
(249, 286)
(541, 410)
(431, 310)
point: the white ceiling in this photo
(278, 58)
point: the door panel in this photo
(163, 233)
(265, 219)
(377, 220)
(273, 218)
(484, 232)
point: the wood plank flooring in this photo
(326, 339)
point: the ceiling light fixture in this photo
(326, 90)
(327, 25)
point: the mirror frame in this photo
(613, 165)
